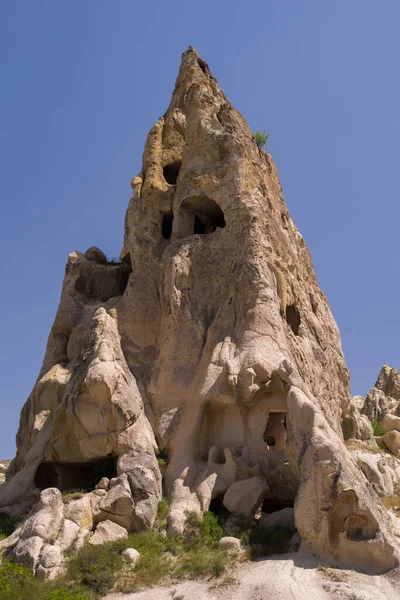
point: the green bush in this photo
(66, 594)
(95, 567)
(7, 525)
(378, 429)
(162, 457)
(261, 138)
(17, 583)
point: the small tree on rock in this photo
(261, 138)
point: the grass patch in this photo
(18, 583)
(378, 429)
(332, 575)
(73, 495)
(363, 447)
(392, 502)
(7, 525)
(96, 570)
(96, 567)
(162, 457)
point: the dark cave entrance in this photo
(171, 172)
(167, 222)
(74, 476)
(293, 318)
(199, 215)
(271, 505)
(275, 431)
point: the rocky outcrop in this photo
(384, 397)
(212, 330)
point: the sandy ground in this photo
(284, 577)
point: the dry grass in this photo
(363, 447)
(392, 502)
(332, 574)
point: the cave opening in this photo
(199, 215)
(69, 477)
(271, 505)
(167, 222)
(171, 172)
(293, 318)
(275, 431)
(199, 226)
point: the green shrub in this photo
(204, 530)
(66, 593)
(378, 429)
(7, 525)
(261, 138)
(95, 567)
(202, 561)
(17, 583)
(162, 457)
(162, 516)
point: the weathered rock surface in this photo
(229, 544)
(107, 531)
(212, 333)
(130, 555)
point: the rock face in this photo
(212, 333)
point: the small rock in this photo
(131, 555)
(107, 531)
(103, 484)
(229, 543)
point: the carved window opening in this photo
(69, 477)
(293, 318)
(171, 172)
(275, 431)
(167, 222)
(199, 215)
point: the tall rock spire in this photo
(225, 339)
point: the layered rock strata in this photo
(212, 333)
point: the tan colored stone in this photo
(392, 441)
(280, 518)
(228, 350)
(131, 556)
(80, 512)
(229, 544)
(391, 422)
(244, 497)
(107, 531)
(50, 556)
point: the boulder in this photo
(244, 497)
(27, 552)
(107, 531)
(80, 512)
(229, 544)
(130, 555)
(378, 471)
(279, 518)
(392, 441)
(96, 255)
(50, 556)
(103, 484)
(391, 422)
(47, 520)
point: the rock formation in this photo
(211, 340)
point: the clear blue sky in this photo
(84, 80)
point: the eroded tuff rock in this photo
(214, 327)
